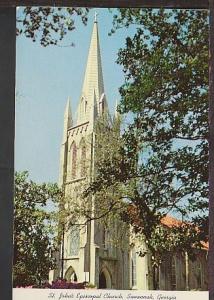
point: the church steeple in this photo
(93, 86)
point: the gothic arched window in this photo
(83, 160)
(74, 240)
(74, 160)
(71, 275)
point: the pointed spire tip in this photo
(95, 17)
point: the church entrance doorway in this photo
(104, 279)
(70, 275)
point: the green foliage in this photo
(80, 206)
(106, 162)
(90, 286)
(166, 67)
(48, 25)
(163, 162)
(160, 163)
(33, 230)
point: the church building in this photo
(85, 254)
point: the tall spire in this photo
(95, 17)
(93, 86)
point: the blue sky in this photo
(45, 78)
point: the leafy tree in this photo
(48, 25)
(33, 230)
(107, 132)
(161, 166)
(163, 162)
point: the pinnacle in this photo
(93, 86)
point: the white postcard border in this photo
(94, 294)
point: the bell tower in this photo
(83, 256)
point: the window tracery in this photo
(83, 160)
(74, 161)
(74, 240)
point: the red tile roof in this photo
(170, 221)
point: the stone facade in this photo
(89, 254)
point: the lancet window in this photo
(83, 160)
(74, 160)
(74, 240)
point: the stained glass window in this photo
(74, 160)
(83, 161)
(74, 241)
